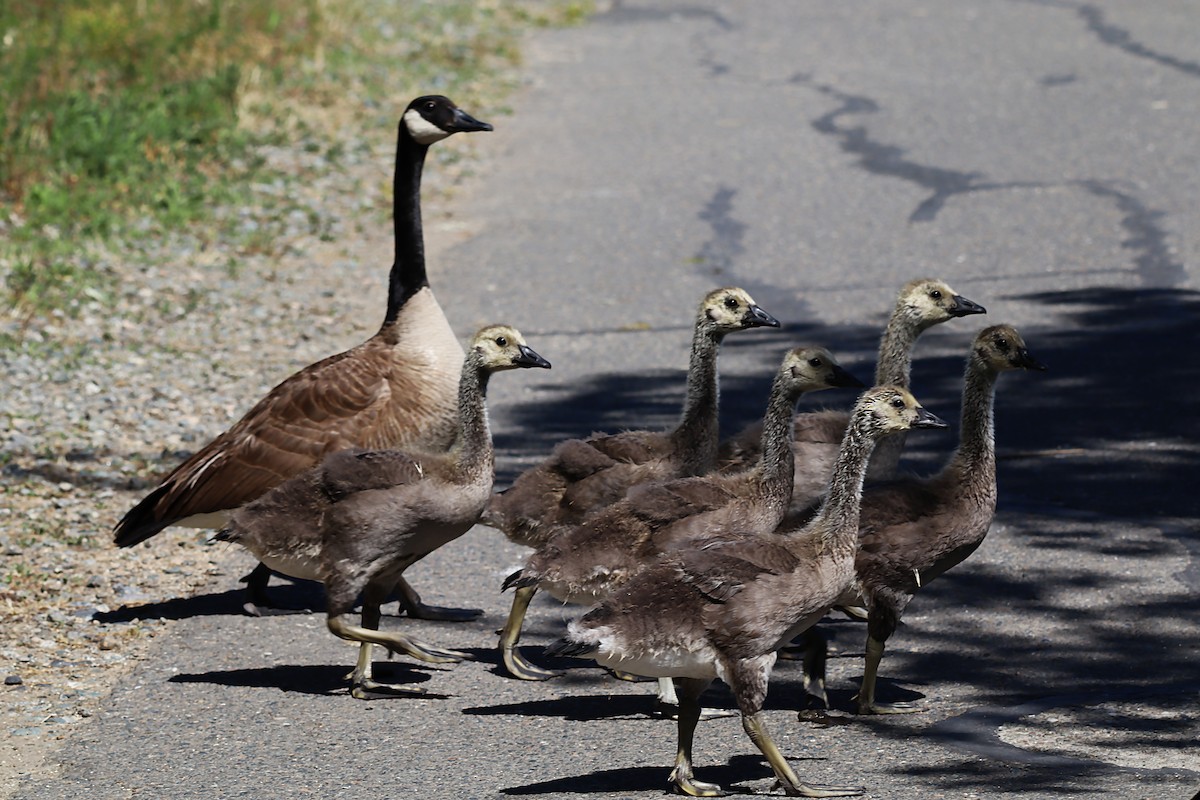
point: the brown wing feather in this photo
(341, 401)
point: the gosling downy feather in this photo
(357, 520)
(585, 563)
(920, 305)
(397, 389)
(583, 475)
(911, 530)
(722, 607)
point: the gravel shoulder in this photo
(87, 422)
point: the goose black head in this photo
(433, 117)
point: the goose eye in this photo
(731, 302)
(815, 362)
(500, 340)
(430, 106)
(936, 294)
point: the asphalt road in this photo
(1041, 156)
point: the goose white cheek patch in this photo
(422, 130)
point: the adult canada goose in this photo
(397, 389)
(722, 607)
(361, 517)
(921, 304)
(911, 530)
(587, 562)
(583, 475)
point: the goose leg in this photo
(514, 662)
(684, 782)
(411, 602)
(256, 590)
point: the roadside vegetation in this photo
(125, 120)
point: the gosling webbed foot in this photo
(665, 710)
(367, 689)
(820, 790)
(421, 651)
(412, 605)
(890, 708)
(440, 613)
(683, 783)
(521, 669)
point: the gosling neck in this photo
(474, 446)
(776, 469)
(838, 517)
(696, 437)
(894, 367)
(975, 457)
(408, 267)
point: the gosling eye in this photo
(500, 340)
(1002, 344)
(731, 302)
(897, 402)
(814, 361)
(936, 294)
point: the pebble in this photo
(13, 680)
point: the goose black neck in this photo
(408, 269)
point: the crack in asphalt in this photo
(1153, 258)
(1147, 238)
(1120, 38)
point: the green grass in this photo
(121, 119)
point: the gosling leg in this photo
(362, 685)
(867, 704)
(756, 729)
(666, 704)
(256, 590)
(510, 635)
(395, 642)
(681, 778)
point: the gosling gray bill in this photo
(722, 608)
(360, 518)
(920, 305)
(587, 562)
(911, 530)
(395, 390)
